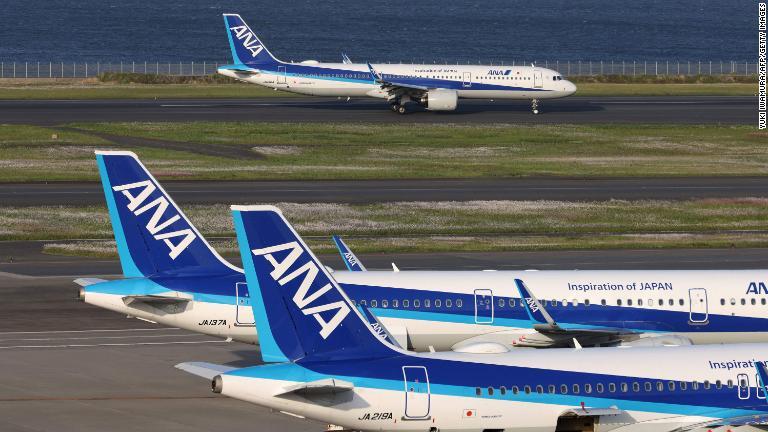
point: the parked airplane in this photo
(435, 87)
(173, 277)
(329, 365)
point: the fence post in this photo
(2, 69)
(157, 68)
(569, 67)
(50, 69)
(62, 69)
(121, 66)
(678, 67)
(179, 68)
(710, 67)
(699, 67)
(667, 72)
(133, 66)
(145, 67)
(193, 69)
(14, 69)
(98, 68)
(26, 70)
(601, 67)
(38, 69)
(86, 69)
(657, 68)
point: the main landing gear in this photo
(399, 108)
(535, 106)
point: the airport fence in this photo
(567, 68)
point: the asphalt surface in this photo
(676, 109)
(208, 192)
(67, 366)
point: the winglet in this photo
(350, 259)
(762, 374)
(376, 76)
(535, 309)
(345, 58)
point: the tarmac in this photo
(572, 110)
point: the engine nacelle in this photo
(440, 100)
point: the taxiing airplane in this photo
(435, 87)
(174, 277)
(327, 363)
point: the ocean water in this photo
(394, 30)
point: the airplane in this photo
(172, 276)
(435, 87)
(324, 362)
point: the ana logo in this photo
(499, 72)
(532, 304)
(757, 288)
(306, 296)
(250, 42)
(350, 259)
(156, 225)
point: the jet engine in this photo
(440, 100)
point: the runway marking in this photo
(87, 331)
(113, 344)
(107, 337)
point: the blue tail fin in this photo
(245, 45)
(152, 234)
(300, 311)
(350, 260)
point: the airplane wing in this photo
(349, 257)
(550, 333)
(203, 369)
(243, 70)
(583, 411)
(394, 86)
(322, 386)
(83, 282)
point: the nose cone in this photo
(569, 88)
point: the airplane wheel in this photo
(535, 111)
(394, 107)
(401, 109)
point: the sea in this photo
(442, 31)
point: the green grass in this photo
(439, 226)
(376, 151)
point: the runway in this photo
(573, 110)
(371, 191)
(89, 369)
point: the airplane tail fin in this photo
(246, 47)
(300, 310)
(152, 233)
(349, 257)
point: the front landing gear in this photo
(399, 108)
(535, 106)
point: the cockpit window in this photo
(557, 78)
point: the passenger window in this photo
(587, 388)
(603, 302)
(671, 302)
(599, 387)
(539, 389)
(478, 392)
(448, 303)
(501, 302)
(629, 302)
(743, 302)
(426, 303)
(564, 303)
(384, 303)
(416, 303)
(639, 302)
(511, 302)
(695, 385)
(586, 302)
(661, 302)
(362, 302)
(612, 387)
(395, 303)
(719, 384)
(733, 301)
(459, 302)
(753, 301)
(647, 386)
(574, 302)
(490, 391)
(683, 385)
(707, 385)
(515, 390)
(406, 303)
(722, 302)
(438, 303)
(671, 386)
(660, 386)
(527, 389)
(576, 388)
(503, 390)
(618, 302)
(624, 387)
(762, 301)
(681, 302)
(551, 389)
(563, 389)
(635, 387)
(374, 303)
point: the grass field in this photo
(94, 89)
(436, 226)
(374, 151)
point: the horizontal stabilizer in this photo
(323, 386)
(154, 299)
(83, 282)
(203, 369)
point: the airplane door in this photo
(243, 310)
(416, 392)
(538, 81)
(699, 309)
(743, 380)
(483, 306)
(466, 80)
(281, 75)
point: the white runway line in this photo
(113, 344)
